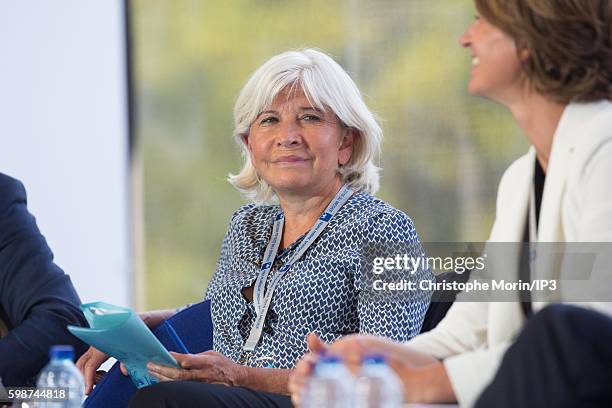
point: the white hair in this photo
(325, 84)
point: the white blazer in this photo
(576, 207)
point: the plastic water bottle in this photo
(61, 372)
(378, 386)
(330, 386)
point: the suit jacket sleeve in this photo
(37, 299)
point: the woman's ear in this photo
(345, 150)
(245, 140)
(523, 52)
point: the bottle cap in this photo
(327, 359)
(61, 352)
(373, 359)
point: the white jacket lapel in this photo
(550, 227)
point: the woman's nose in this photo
(465, 39)
(290, 135)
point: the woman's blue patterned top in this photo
(321, 292)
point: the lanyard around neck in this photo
(262, 300)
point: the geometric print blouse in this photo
(321, 292)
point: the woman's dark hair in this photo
(569, 44)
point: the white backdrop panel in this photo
(64, 133)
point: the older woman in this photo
(291, 268)
(550, 63)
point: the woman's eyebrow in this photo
(266, 112)
(311, 108)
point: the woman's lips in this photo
(289, 159)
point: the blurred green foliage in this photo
(444, 151)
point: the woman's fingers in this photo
(315, 344)
(87, 375)
(165, 373)
(88, 364)
(98, 376)
(299, 377)
(183, 360)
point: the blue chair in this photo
(442, 300)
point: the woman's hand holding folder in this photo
(93, 358)
(209, 366)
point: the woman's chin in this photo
(474, 89)
(291, 187)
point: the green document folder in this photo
(120, 333)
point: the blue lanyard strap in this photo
(262, 300)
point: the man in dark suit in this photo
(37, 300)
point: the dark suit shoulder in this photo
(11, 191)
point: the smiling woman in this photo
(298, 147)
(291, 264)
(496, 68)
(322, 96)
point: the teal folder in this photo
(120, 333)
